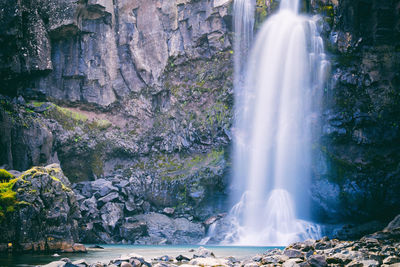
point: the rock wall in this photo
(139, 94)
(100, 51)
(357, 175)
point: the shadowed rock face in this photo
(357, 173)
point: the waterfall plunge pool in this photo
(149, 252)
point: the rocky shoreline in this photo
(379, 249)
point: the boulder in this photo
(394, 224)
(111, 213)
(126, 264)
(391, 260)
(103, 187)
(291, 263)
(46, 212)
(182, 258)
(293, 253)
(169, 211)
(202, 252)
(317, 261)
(133, 231)
(78, 247)
(108, 198)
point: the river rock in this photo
(205, 261)
(293, 253)
(391, 260)
(317, 261)
(202, 252)
(182, 258)
(291, 263)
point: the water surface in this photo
(115, 251)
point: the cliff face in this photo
(97, 52)
(360, 133)
(135, 91)
(139, 93)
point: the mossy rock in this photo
(5, 176)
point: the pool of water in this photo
(115, 251)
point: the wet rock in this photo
(182, 258)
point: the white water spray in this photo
(276, 110)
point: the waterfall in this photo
(276, 108)
(243, 11)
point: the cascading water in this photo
(244, 11)
(244, 27)
(276, 108)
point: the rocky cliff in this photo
(359, 178)
(137, 95)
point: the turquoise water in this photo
(115, 251)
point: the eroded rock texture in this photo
(100, 51)
(360, 131)
(139, 93)
(40, 212)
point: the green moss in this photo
(174, 168)
(5, 176)
(8, 198)
(101, 124)
(67, 118)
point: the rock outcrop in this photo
(139, 94)
(39, 212)
(357, 170)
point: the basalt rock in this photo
(40, 212)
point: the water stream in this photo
(277, 107)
